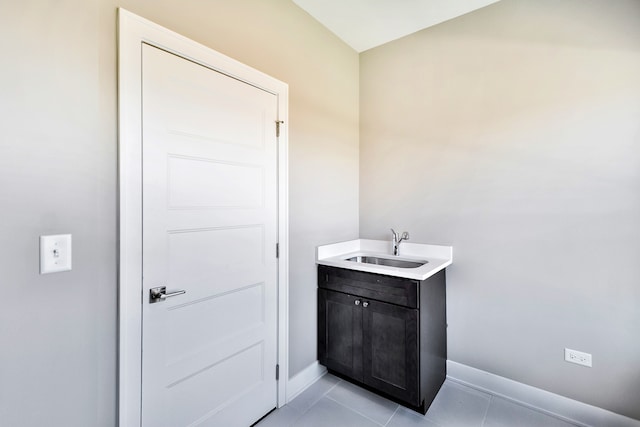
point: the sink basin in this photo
(388, 261)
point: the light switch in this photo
(55, 253)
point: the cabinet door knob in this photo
(357, 302)
(365, 304)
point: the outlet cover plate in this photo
(55, 253)
(578, 357)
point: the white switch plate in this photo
(55, 253)
(579, 357)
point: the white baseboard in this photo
(303, 379)
(541, 400)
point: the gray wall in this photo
(513, 134)
(57, 175)
(58, 153)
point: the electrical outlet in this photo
(578, 357)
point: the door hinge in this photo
(278, 123)
(277, 250)
(277, 372)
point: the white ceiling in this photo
(364, 24)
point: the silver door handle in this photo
(365, 304)
(160, 294)
(357, 302)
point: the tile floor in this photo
(332, 402)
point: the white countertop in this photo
(335, 255)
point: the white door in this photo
(210, 229)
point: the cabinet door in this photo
(390, 350)
(340, 333)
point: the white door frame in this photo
(133, 32)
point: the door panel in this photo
(189, 406)
(209, 227)
(340, 333)
(238, 122)
(203, 183)
(390, 341)
(198, 259)
(190, 336)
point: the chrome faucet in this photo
(397, 238)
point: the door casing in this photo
(132, 33)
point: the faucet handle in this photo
(405, 236)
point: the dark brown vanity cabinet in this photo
(383, 332)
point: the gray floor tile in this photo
(331, 402)
(458, 406)
(328, 413)
(366, 403)
(503, 413)
(307, 398)
(407, 418)
(282, 417)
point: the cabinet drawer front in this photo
(394, 290)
